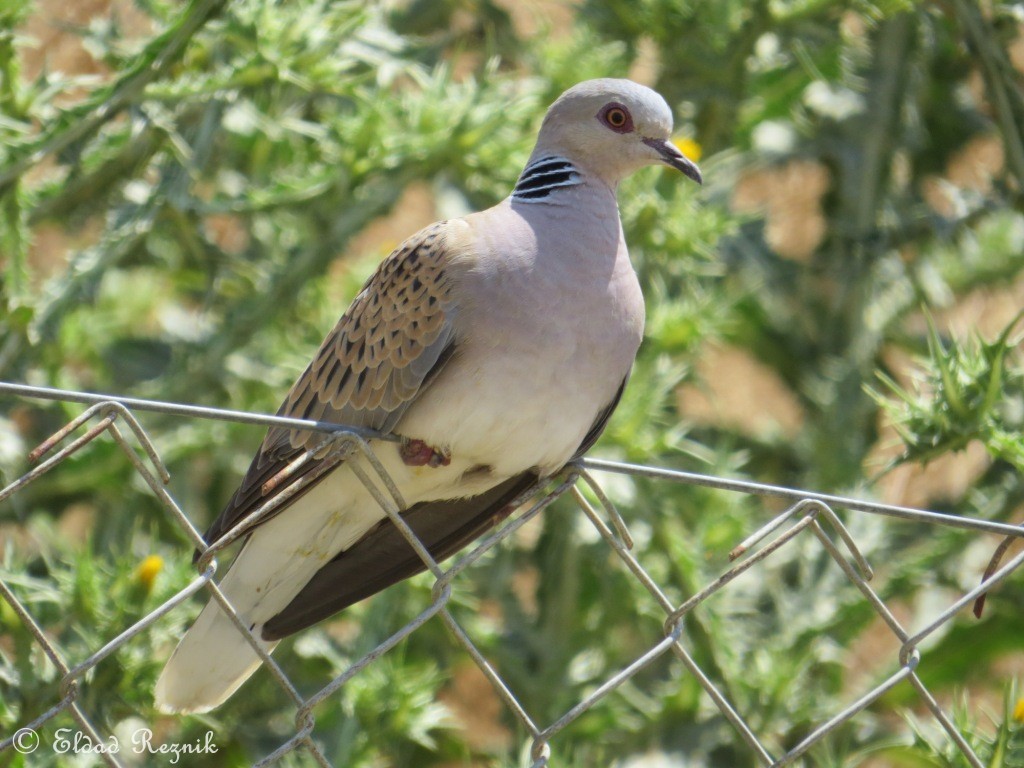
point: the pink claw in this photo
(417, 453)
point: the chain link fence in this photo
(807, 514)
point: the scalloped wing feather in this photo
(370, 368)
(382, 354)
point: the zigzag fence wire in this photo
(808, 513)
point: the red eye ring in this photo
(616, 117)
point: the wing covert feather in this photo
(376, 360)
(384, 351)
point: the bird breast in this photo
(551, 332)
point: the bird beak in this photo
(671, 155)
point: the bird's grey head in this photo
(611, 128)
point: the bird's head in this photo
(612, 127)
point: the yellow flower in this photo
(147, 571)
(1018, 711)
(688, 147)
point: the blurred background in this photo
(191, 194)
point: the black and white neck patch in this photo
(543, 177)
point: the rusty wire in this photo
(807, 513)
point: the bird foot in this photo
(417, 453)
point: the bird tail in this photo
(278, 559)
(212, 660)
(214, 657)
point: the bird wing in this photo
(383, 557)
(384, 352)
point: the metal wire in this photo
(808, 513)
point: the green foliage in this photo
(931, 749)
(206, 189)
(970, 391)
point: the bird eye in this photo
(616, 117)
